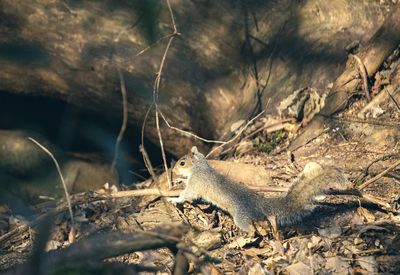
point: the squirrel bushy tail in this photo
(315, 180)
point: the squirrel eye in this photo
(182, 163)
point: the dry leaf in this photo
(368, 263)
(241, 242)
(254, 252)
(299, 269)
(338, 265)
(365, 214)
(71, 235)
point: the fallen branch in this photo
(376, 201)
(101, 246)
(174, 193)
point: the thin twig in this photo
(156, 87)
(137, 175)
(189, 133)
(393, 99)
(144, 123)
(175, 32)
(172, 17)
(274, 126)
(162, 149)
(380, 175)
(363, 73)
(130, 27)
(124, 119)
(383, 157)
(237, 135)
(146, 192)
(155, 43)
(147, 163)
(60, 174)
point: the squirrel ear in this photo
(196, 154)
(194, 150)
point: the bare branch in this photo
(237, 135)
(155, 91)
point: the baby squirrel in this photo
(246, 205)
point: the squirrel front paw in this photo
(175, 200)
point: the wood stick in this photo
(175, 193)
(377, 177)
(376, 201)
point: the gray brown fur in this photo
(246, 205)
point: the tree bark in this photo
(373, 54)
(230, 59)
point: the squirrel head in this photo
(187, 164)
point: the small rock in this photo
(299, 269)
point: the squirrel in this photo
(247, 206)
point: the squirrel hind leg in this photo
(244, 222)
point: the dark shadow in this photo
(76, 130)
(24, 53)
